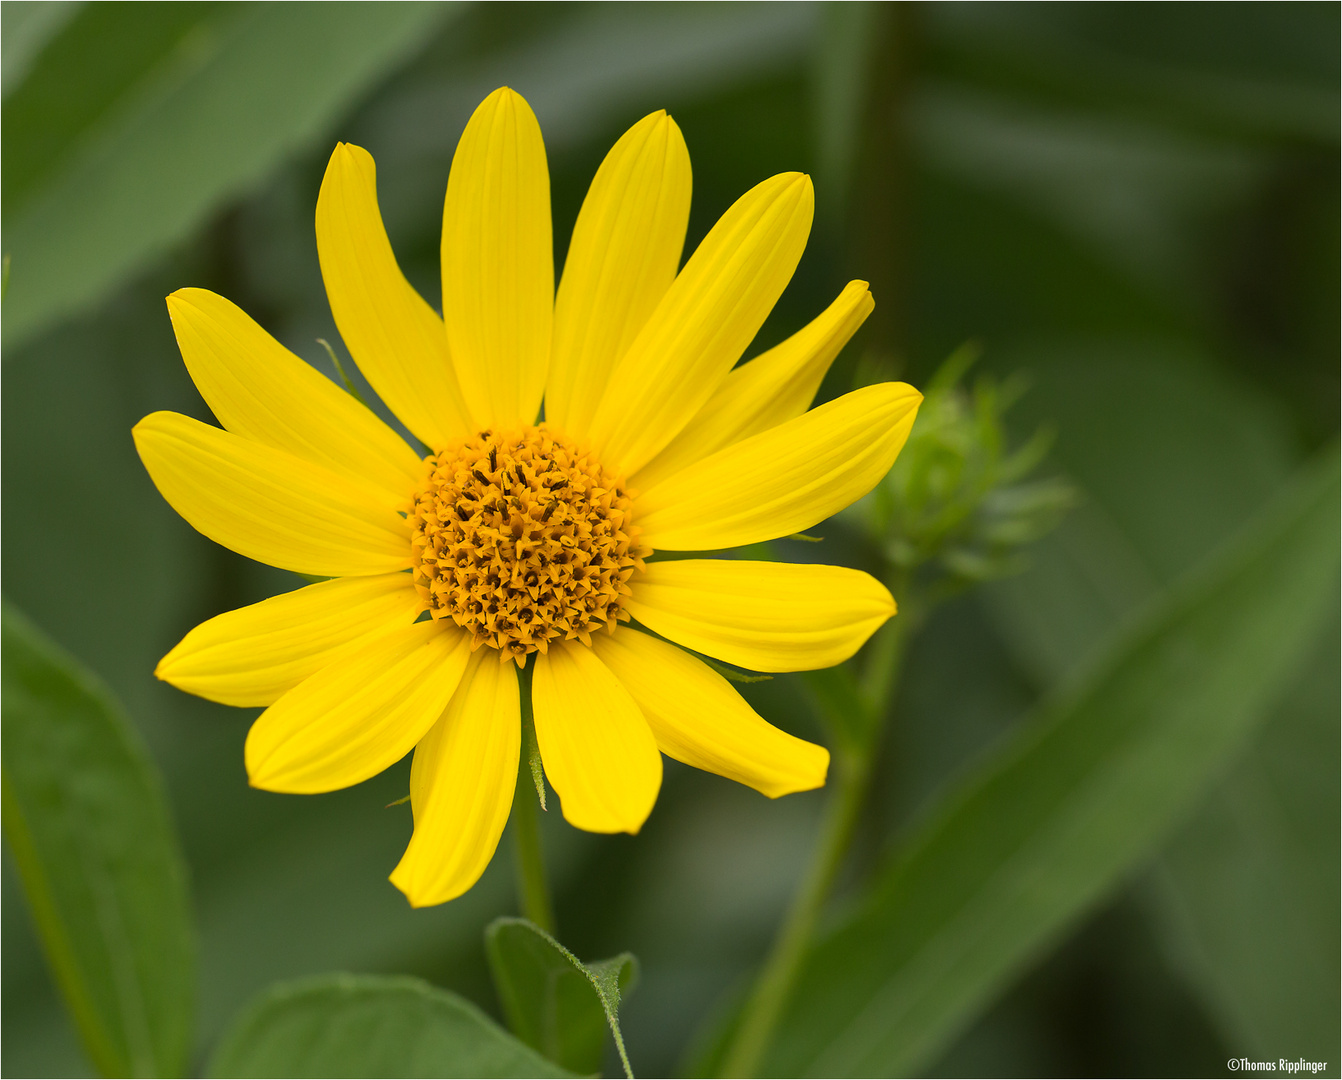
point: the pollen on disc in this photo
(523, 539)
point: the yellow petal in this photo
(698, 718)
(463, 778)
(396, 338)
(772, 388)
(622, 259)
(260, 390)
(598, 751)
(498, 262)
(360, 715)
(785, 479)
(254, 654)
(269, 505)
(761, 615)
(703, 324)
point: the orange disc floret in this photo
(522, 538)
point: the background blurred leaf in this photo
(1248, 890)
(1257, 71)
(1069, 804)
(1138, 195)
(365, 1025)
(589, 67)
(88, 825)
(1174, 456)
(553, 1001)
(115, 153)
(28, 27)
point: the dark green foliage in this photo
(89, 828)
(171, 109)
(1260, 854)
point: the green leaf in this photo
(135, 122)
(88, 824)
(369, 1025)
(552, 1000)
(27, 29)
(1247, 893)
(1071, 803)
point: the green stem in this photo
(533, 888)
(885, 654)
(878, 206)
(774, 985)
(853, 767)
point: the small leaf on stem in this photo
(552, 1000)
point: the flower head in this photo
(517, 542)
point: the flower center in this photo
(522, 539)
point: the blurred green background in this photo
(1134, 204)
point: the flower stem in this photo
(774, 985)
(853, 761)
(533, 888)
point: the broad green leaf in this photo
(127, 133)
(552, 1000)
(370, 1025)
(1247, 891)
(1071, 803)
(88, 825)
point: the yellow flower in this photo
(526, 541)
